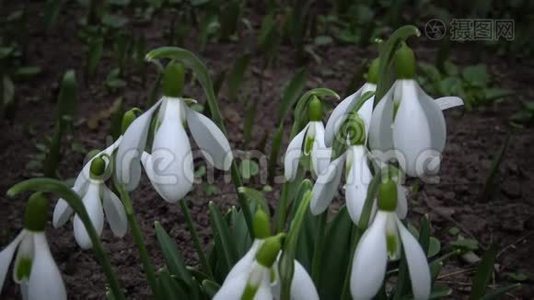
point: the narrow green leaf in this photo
(255, 196)
(210, 288)
(222, 234)
(51, 12)
(483, 274)
(291, 94)
(94, 54)
(67, 99)
(500, 292)
(235, 77)
(173, 258)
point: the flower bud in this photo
(405, 62)
(372, 74)
(36, 212)
(98, 167)
(387, 195)
(173, 79)
(268, 252)
(315, 109)
(262, 228)
(128, 118)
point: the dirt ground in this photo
(474, 138)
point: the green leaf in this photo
(222, 235)
(94, 54)
(8, 91)
(169, 287)
(476, 75)
(51, 12)
(291, 94)
(235, 77)
(67, 101)
(323, 40)
(210, 288)
(483, 274)
(24, 73)
(500, 292)
(114, 21)
(173, 258)
(465, 244)
(434, 247)
(337, 259)
(440, 292)
(256, 197)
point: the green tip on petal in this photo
(36, 213)
(387, 195)
(262, 227)
(249, 292)
(405, 62)
(128, 118)
(372, 74)
(98, 167)
(315, 109)
(268, 252)
(173, 79)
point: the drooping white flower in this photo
(97, 199)
(382, 240)
(249, 273)
(34, 269)
(411, 123)
(358, 177)
(344, 109)
(169, 165)
(309, 142)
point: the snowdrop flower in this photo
(169, 165)
(255, 275)
(97, 199)
(357, 173)
(410, 122)
(310, 143)
(384, 238)
(345, 107)
(35, 269)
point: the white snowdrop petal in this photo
(293, 154)
(45, 280)
(320, 155)
(93, 205)
(302, 286)
(370, 260)
(127, 164)
(417, 264)
(170, 165)
(357, 183)
(449, 102)
(411, 131)
(380, 128)
(245, 263)
(62, 213)
(115, 213)
(233, 288)
(210, 139)
(402, 202)
(6, 256)
(436, 120)
(326, 186)
(338, 116)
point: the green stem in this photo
(48, 185)
(196, 239)
(319, 245)
(148, 267)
